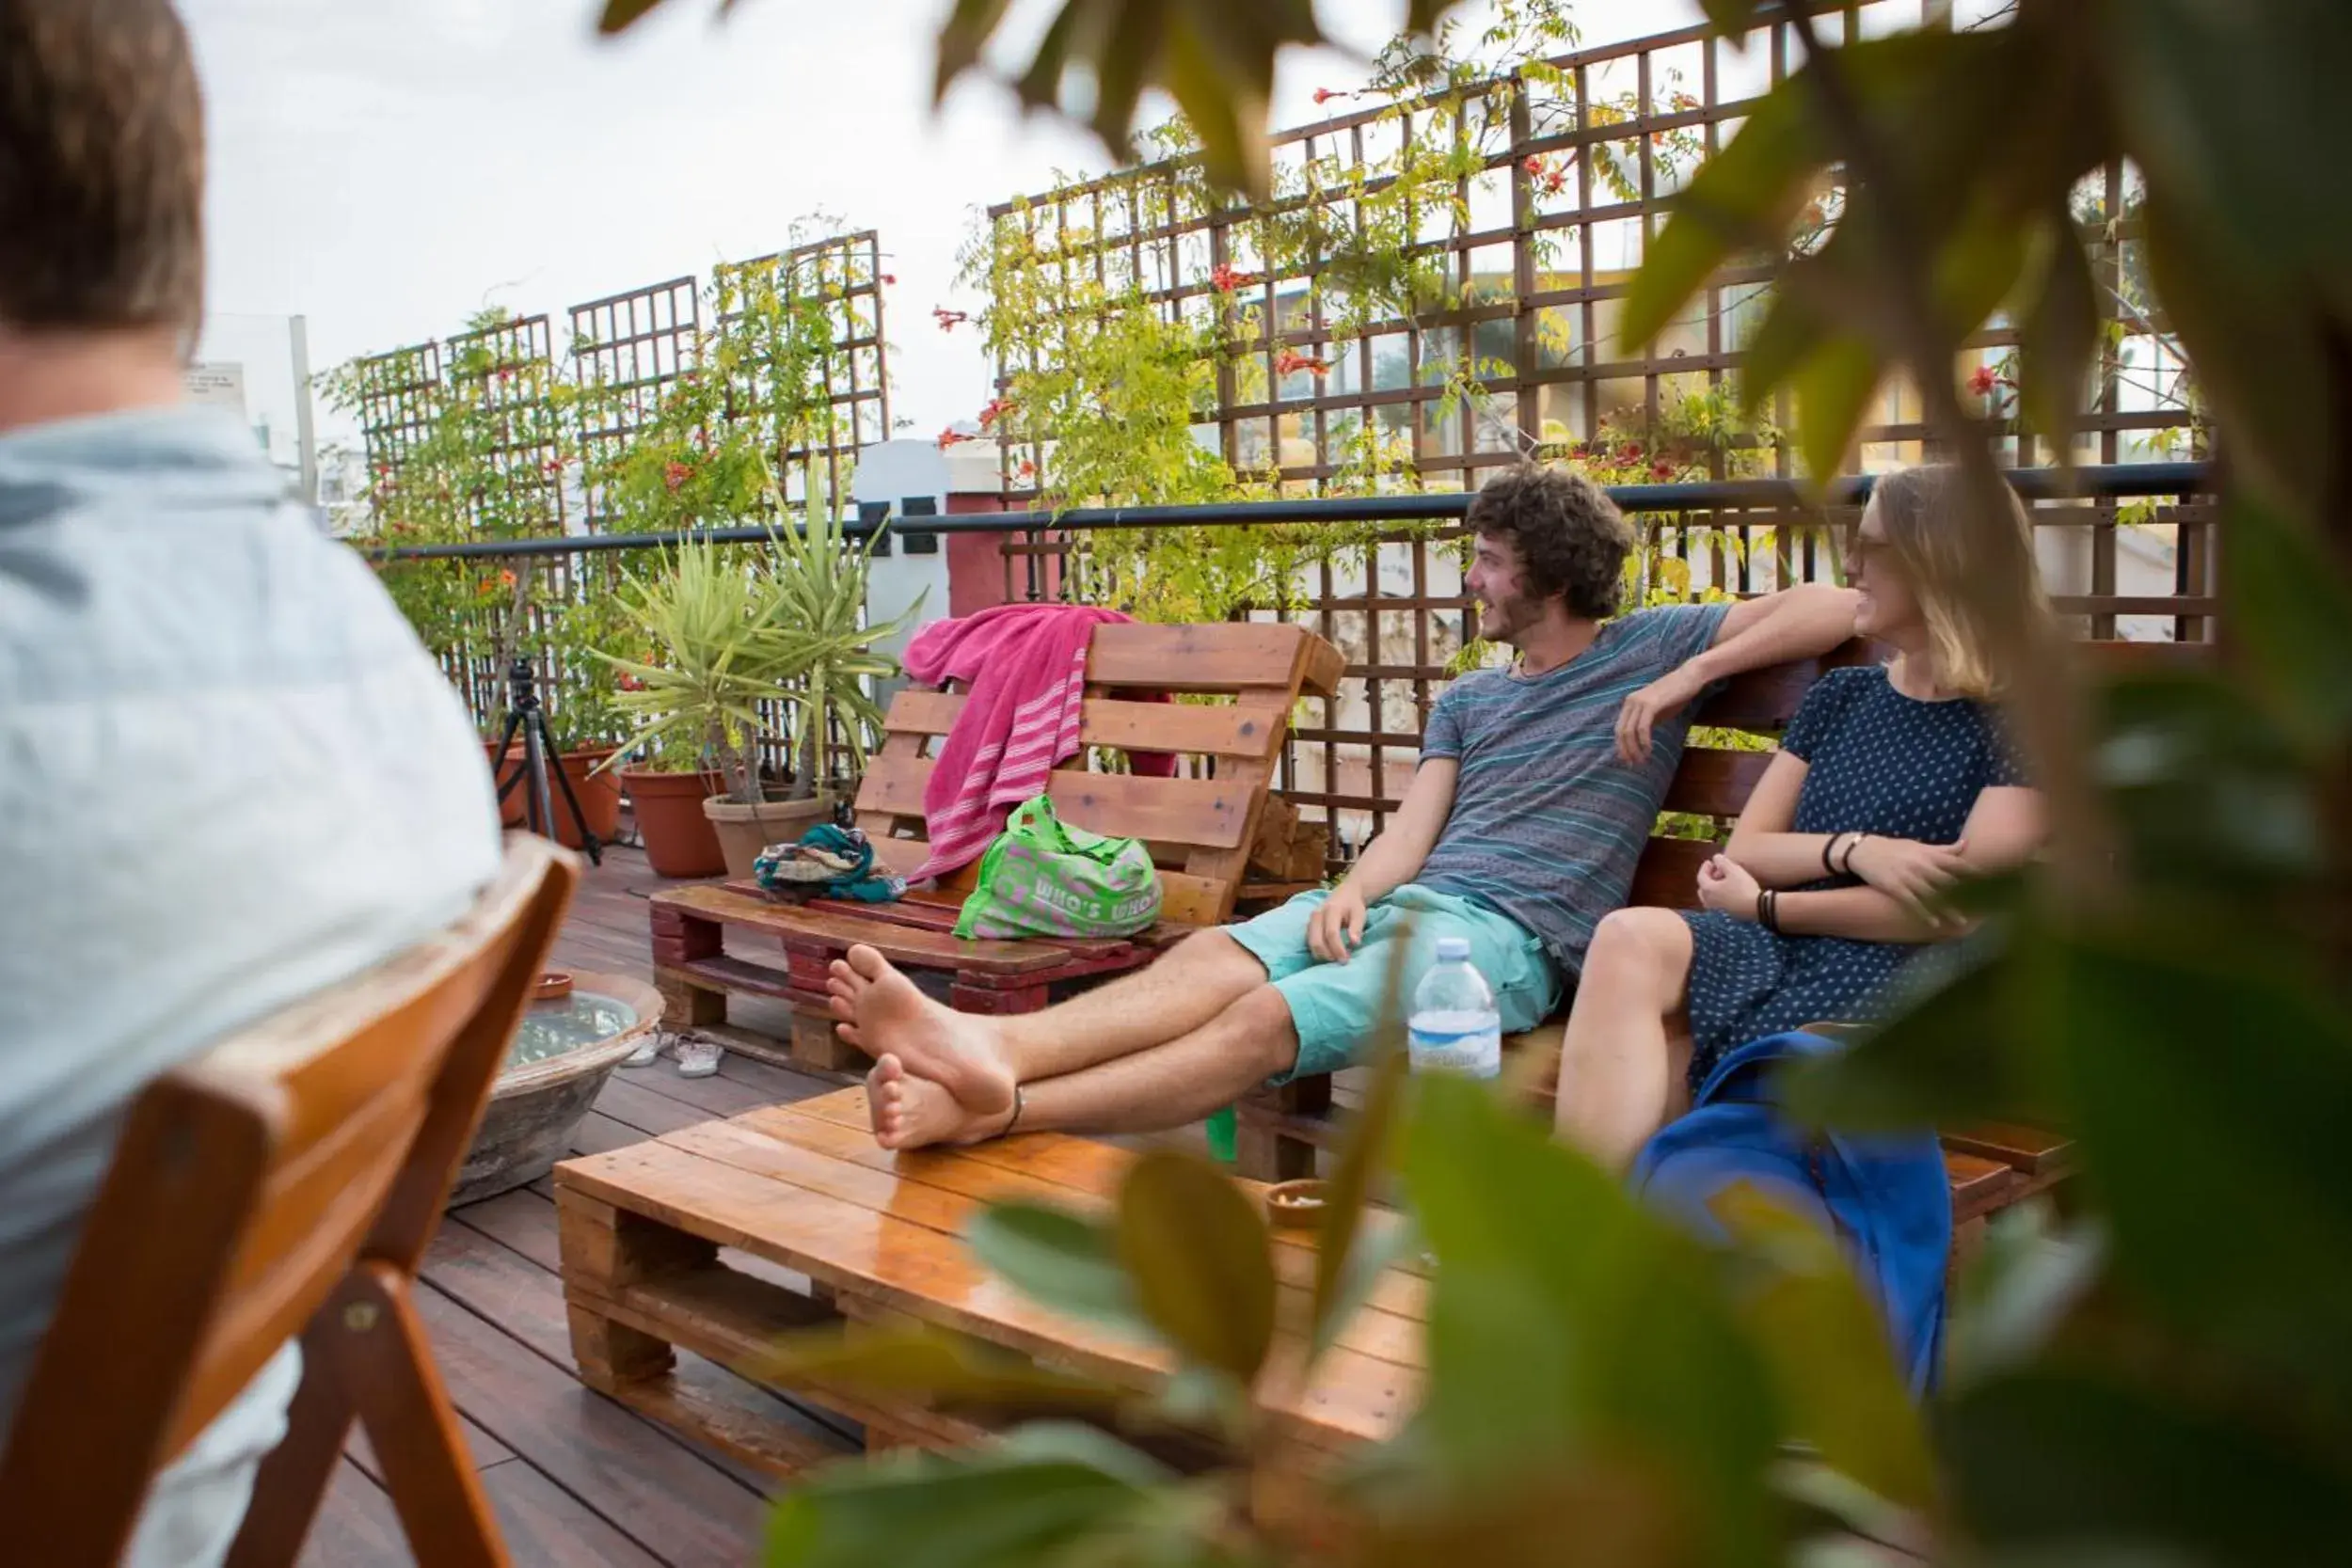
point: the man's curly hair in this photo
(1570, 537)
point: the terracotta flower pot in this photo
(678, 837)
(745, 831)
(599, 794)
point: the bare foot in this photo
(916, 1113)
(883, 1014)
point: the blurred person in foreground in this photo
(229, 773)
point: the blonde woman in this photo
(1892, 782)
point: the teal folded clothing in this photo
(828, 861)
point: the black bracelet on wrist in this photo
(1845, 867)
(1829, 866)
(1768, 910)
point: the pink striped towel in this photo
(1026, 665)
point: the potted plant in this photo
(820, 600)
(666, 790)
(719, 657)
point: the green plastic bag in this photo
(1043, 877)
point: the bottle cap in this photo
(1454, 950)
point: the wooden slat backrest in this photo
(1199, 827)
(247, 1184)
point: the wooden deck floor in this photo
(576, 1479)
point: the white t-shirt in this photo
(229, 775)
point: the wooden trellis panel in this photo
(626, 350)
(845, 272)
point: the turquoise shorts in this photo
(1333, 1007)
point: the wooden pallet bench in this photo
(1990, 1167)
(1202, 827)
(721, 1237)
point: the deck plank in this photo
(639, 1476)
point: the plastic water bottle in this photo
(1455, 1027)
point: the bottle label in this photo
(1443, 1046)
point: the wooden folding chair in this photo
(286, 1182)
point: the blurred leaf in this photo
(2018, 1291)
(1744, 196)
(1975, 268)
(1826, 1343)
(1948, 1056)
(1341, 1282)
(2053, 1459)
(2218, 98)
(1006, 1506)
(2057, 335)
(1564, 1321)
(1601, 1511)
(619, 14)
(1197, 1249)
(1066, 1262)
(1845, 1504)
(930, 1364)
(2208, 790)
(1781, 342)
(2258, 356)
(1730, 17)
(2207, 1079)
(1833, 388)
(961, 37)
(2290, 612)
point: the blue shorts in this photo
(1334, 1006)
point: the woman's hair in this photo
(1921, 510)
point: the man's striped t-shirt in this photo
(1547, 822)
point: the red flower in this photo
(946, 318)
(889, 277)
(1532, 164)
(675, 475)
(1628, 455)
(1225, 280)
(506, 372)
(627, 682)
(1027, 471)
(949, 437)
(554, 468)
(1290, 362)
(507, 580)
(1324, 95)
(1983, 381)
(996, 409)
(1661, 470)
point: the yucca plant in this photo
(720, 653)
(817, 607)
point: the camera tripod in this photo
(524, 717)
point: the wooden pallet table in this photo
(802, 1191)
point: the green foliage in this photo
(720, 653)
(736, 632)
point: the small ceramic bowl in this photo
(1295, 1203)
(553, 984)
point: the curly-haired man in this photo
(1536, 788)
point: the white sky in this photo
(384, 169)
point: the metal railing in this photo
(1396, 609)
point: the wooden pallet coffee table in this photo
(802, 1190)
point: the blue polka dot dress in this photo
(1878, 762)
